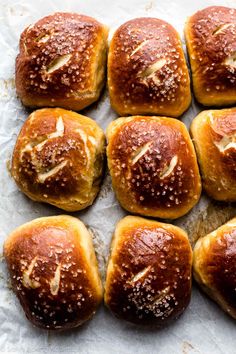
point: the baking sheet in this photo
(203, 328)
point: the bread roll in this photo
(147, 72)
(62, 62)
(153, 166)
(214, 265)
(58, 158)
(54, 272)
(149, 271)
(214, 135)
(211, 42)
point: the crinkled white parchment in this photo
(203, 328)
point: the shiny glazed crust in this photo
(214, 134)
(58, 158)
(149, 271)
(62, 62)
(153, 166)
(211, 42)
(214, 265)
(53, 271)
(147, 72)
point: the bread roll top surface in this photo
(147, 72)
(215, 265)
(211, 42)
(58, 61)
(58, 158)
(153, 165)
(149, 271)
(54, 271)
(214, 135)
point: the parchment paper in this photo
(203, 328)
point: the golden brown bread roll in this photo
(147, 72)
(54, 272)
(211, 42)
(58, 158)
(153, 166)
(214, 134)
(214, 265)
(62, 62)
(149, 271)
